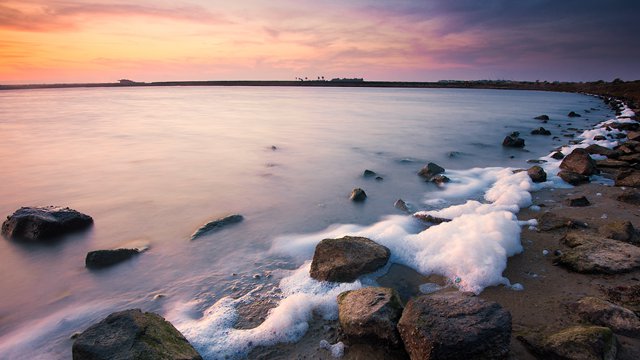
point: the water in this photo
(153, 164)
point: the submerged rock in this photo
(347, 258)
(513, 140)
(43, 223)
(573, 114)
(599, 138)
(540, 131)
(630, 178)
(578, 342)
(370, 313)
(401, 205)
(579, 162)
(132, 334)
(600, 312)
(557, 155)
(455, 325)
(430, 170)
(103, 258)
(573, 178)
(537, 174)
(357, 195)
(369, 173)
(591, 253)
(542, 117)
(216, 225)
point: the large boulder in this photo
(630, 178)
(430, 170)
(347, 258)
(455, 325)
(591, 253)
(576, 343)
(601, 312)
(573, 178)
(579, 162)
(215, 225)
(537, 174)
(43, 223)
(371, 314)
(132, 334)
(513, 140)
(98, 259)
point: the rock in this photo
(632, 158)
(573, 114)
(536, 161)
(401, 205)
(633, 135)
(630, 197)
(215, 225)
(430, 170)
(455, 325)
(575, 343)
(619, 230)
(630, 178)
(358, 195)
(513, 140)
(103, 258)
(579, 162)
(537, 174)
(625, 126)
(548, 221)
(379, 178)
(542, 117)
(610, 163)
(590, 253)
(430, 219)
(600, 150)
(345, 259)
(43, 223)
(440, 179)
(370, 313)
(600, 312)
(599, 138)
(540, 131)
(578, 202)
(132, 334)
(573, 178)
(557, 155)
(369, 173)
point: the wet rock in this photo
(345, 259)
(430, 170)
(610, 163)
(369, 173)
(633, 135)
(573, 114)
(132, 334)
(577, 343)
(542, 117)
(104, 258)
(513, 140)
(43, 223)
(549, 221)
(601, 312)
(625, 126)
(630, 196)
(537, 174)
(573, 178)
(578, 202)
(401, 205)
(536, 161)
(215, 225)
(455, 325)
(591, 253)
(440, 179)
(540, 131)
(619, 230)
(632, 158)
(579, 162)
(600, 150)
(630, 178)
(429, 218)
(599, 138)
(379, 178)
(370, 313)
(357, 195)
(557, 155)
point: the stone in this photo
(513, 140)
(440, 179)
(132, 334)
(358, 195)
(35, 224)
(575, 343)
(347, 258)
(401, 205)
(633, 135)
(369, 173)
(104, 258)
(455, 325)
(216, 225)
(429, 218)
(621, 230)
(579, 162)
(610, 163)
(593, 254)
(557, 155)
(573, 178)
(578, 202)
(542, 117)
(540, 131)
(625, 126)
(370, 313)
(549, 221)
(632, 158)
(600, 150)
(537, 174)
(573, 114)
(630, 178)
(599, 138)
(430, 170)
(603, 313)
(630, 196)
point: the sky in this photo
(66, 41)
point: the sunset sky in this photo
(47, 41)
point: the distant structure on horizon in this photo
(350, 80)
(127, 82)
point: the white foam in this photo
(336, 350)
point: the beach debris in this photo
(577, 342)
(518, 286)
(346, 258)
(621, 230)
(369, 173)
(542, 117)
(513, 140)
(573, 178)
(578, 201)
(579, 161)
(537, 174)
(99, 259)
(370, 313)
(573, 114)
(132, 334)
(540, 131)
(33, 224)
(603, 313)
(336, 350)
(630, 178)
(557, 155)
(401, 205)
(358, 195)
(430, 170)
(215, 225)
(455, 325)
(592, 253)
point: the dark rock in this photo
(43, 223)
(590, 253)
(633, 135)
(536, 161)
(548, 221)
(633, 158)
(630, 178)
(379, 178)
(104, 258)
(621, 230)
(599, 138)
(578, 202)
(540, 131)
(513, 140)
(370, 313)
(573, 114)
(573, 178)
(455, 325)
(610, 163)
(600, 150)
(430, 219)
(345, 259)
(542, 117)
(440, 179)
(574, 343)
(630, 197)
(579, 162)
(358, 195)
(625, 149)
(625, 126)
(557, 155)
(132, 334)
(401, 205)
(601, 312)
(369, 173)
(537, 174)
(430, 170)
(215, 225)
